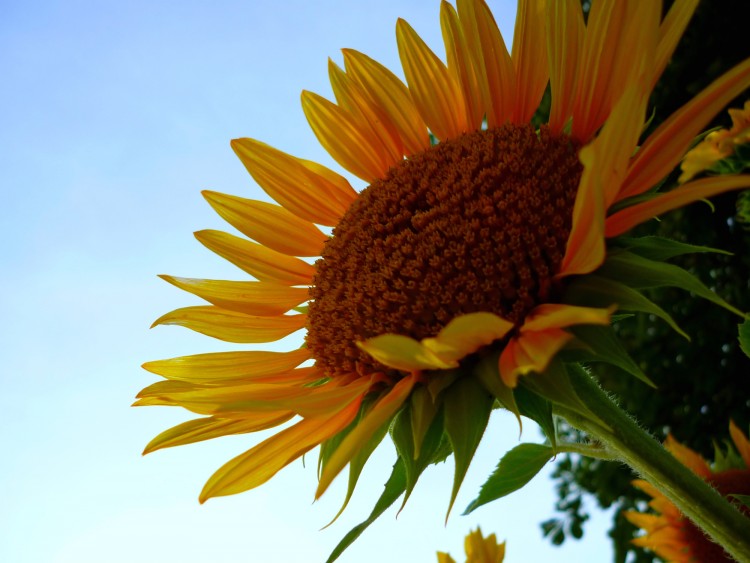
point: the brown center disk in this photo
(477, 223)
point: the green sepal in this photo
(606, 347)
(394, 488)
(467, 411)
(402, 436)
(516, 468)
(638, 272)
(554, 385)
(725, 460)
(744, 337)
(329, 446)
(422, 411)
(487, 371)
(537, 409)
(359, 460)
(596, 291)
(660, 248)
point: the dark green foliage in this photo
(702, 383)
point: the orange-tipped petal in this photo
(585, 249)
(353, 148)
(296, 187)
(271, 225)
(403, 353)
(378, 415)
(741, 442)
(495, 72)
(461, 65)
(670, 33)
(389, 93)
(530, 352)
(687, 457)
(666, 146)
(529, 56)
(626, 219)
(259, 464)
(565, 33)
(647, 522)
(368, 115)
(466, 334)
(231, 326)
(436, 93)
(252, 298)
(552, 315)
(263, 263)
(228, 366)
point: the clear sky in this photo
(113, 117)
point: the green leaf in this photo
(467, 411)
(596, 291)
(487, 371)
(744, 336)
(660, 248)
(537, 409)
(515, 469)
(744, 499)
(638, 272)
(394, 488)
(606, 347)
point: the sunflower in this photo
(482, 248)
(478, 549)
(669, 534)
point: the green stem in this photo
(589, 450)
(695, 498)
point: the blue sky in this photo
(114, 117)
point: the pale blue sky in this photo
(113, 117)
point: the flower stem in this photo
(695, 498)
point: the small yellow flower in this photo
(478, 549)
(671, 535)
(718, 144)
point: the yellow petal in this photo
(466, 334)
(530, 352)
(354, 149)
(460, 65)
(388, 92)
(566, 31)
(552, 315)
(493, 63)
(233, 327)
(624, 220)
(741, 441)
(403, 353)
(263, 263)
(670, 33)
(666, 146)
(296, 187)
(444, 558)
(271, 225)
(435, 92)
(529, 56)
(613, 28)
(378, 415)
(259, 464)
(252, 298)
(687, 457)
(647, 522)
(227, 366)
(368, 116)
(201, 429)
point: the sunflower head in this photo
(477, 249)
(671, 535)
